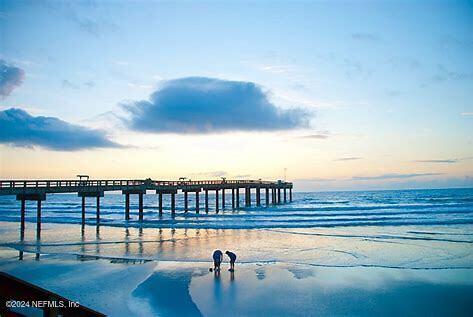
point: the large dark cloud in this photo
(10, 78)
(19, 128)
(203, 105)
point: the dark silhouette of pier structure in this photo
(275, 192)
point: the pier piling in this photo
(22, 220)
(258, 196)
(160, 204)
(233, 198)
(223, 198)
(38, 220)
(267, 196)
(140, 206)
(247, 196)
(173, 204)
(83, 210)
(185, 202)
(237, 197)
(127, 206)
(98, 209)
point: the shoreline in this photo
(389, 247)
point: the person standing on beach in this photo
(218, 258)
(232, 257)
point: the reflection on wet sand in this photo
(99, 241)
(319, 247)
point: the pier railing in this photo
(66, 183)
(123, 182)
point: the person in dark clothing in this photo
(218, 258)
(232, 257)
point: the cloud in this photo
(355, 69)
(393, 176)
(315, 179)
(206, 105)
(67, 84)
(242, 176)
(406, 62)
(366, 37)
(89, 84)
(211, 174)
(19, 128)
(87, 16)
(317, 136)
(466, 114)
(449, 161)
(70, 85)
(445, 74)
(351, 158)
(275, 69)
(10, 78)
(450, 41)
(219, 174)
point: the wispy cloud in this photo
(350, 158)
(67, 84)
(450, 41)
(242, 176)
(141, 86)
(19, 128)
(316, 136)
(70, 85)
(10, 78)
(355, 69)
(207, 105)
(89, 84)
(275, 69)
(85, 14)
(315, 179)
(444, 161)
(366, 37)
(405, 62)
(466, 114)
(210, 174)
(449, 161)
(444, 74)
(393, 176)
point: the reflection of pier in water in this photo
(130, 245)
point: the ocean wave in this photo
(341, 209)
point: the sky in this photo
(331, 95)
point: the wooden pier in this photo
(275, 192)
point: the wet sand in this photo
(300, 272)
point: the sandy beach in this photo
(298, 272)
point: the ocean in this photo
(365, 253)
(443, 207)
